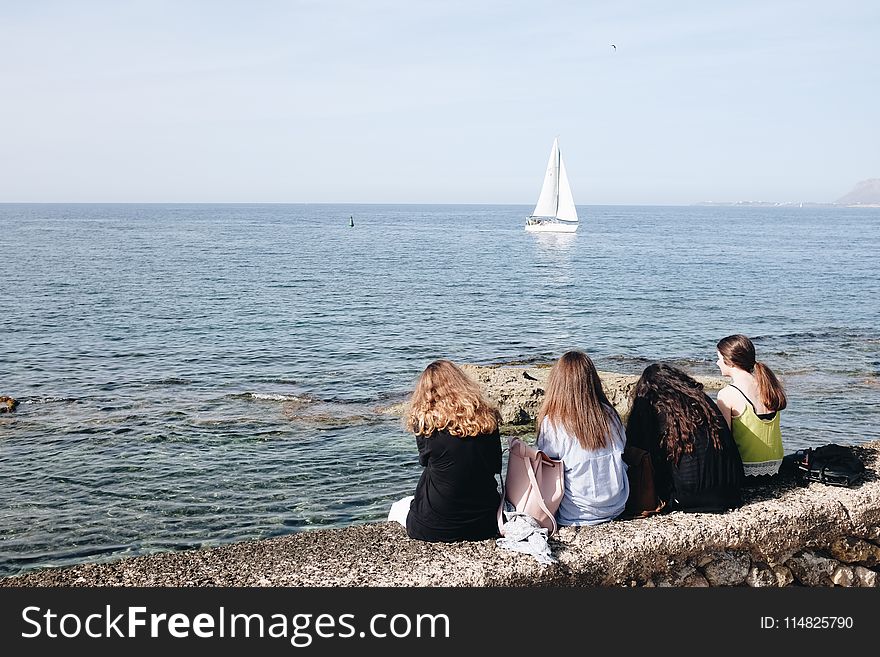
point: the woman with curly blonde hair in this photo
(457, 436)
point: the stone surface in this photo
(843, 576)
(852, 550)
(783, 574)
(811, 569)
(7, 404)
(686, 576)
(728, 570)
(761, 575)
(873, 535)
(866, 577)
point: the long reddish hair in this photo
(575, 400)
(447, 399)
(738, 351)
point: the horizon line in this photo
(766, 203)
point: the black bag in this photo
(834, 465)
(642, 501)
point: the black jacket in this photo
(457, 497)
(704, 480)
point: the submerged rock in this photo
(7, 404)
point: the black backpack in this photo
(834, 465)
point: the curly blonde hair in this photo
(447, 399)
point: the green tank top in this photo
(759, 441)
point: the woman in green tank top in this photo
(751, 406)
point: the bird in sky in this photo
(615, 47)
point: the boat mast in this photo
(558, 159)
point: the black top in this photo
(457, 497)
(706, 479)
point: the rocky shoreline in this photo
(786, 534)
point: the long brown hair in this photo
(738, 351)
(575, 400)
(668, 402)
(447, 399)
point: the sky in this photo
(437, 102)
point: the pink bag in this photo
(535, 484)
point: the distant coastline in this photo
(865, 194)
(783, 204)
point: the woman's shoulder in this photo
(547, 428)
(547, 434)
(725, 391)
(731, 396)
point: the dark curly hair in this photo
(673, 404)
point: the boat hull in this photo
(551, 227)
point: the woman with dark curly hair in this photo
(697, 466)
(456, 430)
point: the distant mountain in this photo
(866, 192)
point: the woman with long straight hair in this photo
(751, 405)
(577, 424)
(697, 466)
(456, 430)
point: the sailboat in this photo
(555, 211)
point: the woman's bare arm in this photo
(724, 404)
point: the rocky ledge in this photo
(785, 535)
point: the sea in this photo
(194, 375)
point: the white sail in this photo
(555, 211)
(565, 210)
(549, 198)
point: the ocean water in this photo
(191, 375)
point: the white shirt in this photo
(596, 486)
